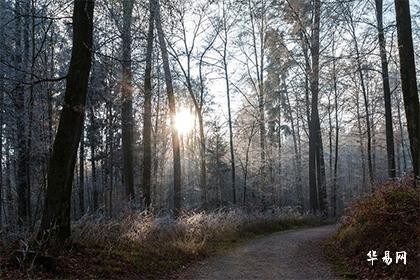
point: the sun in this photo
(184, 121)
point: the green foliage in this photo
(385, 221)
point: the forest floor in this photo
(292, 254)
(205, 245)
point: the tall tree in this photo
(365, 93)
(196, 97)
(224, 35)
(259, 40)
(147, 116)
(21, 37)
(337, 129)
(55, 223)
(387, 91)
(317, 182)
(172, 110)
(408, 80)
(127, 100)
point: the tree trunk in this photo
(408, 81)
(259, 65)
(147, 116)
(2, 89)
(203, 165)
(111, 158)
(21, 162)
(82, 176)
(365, 99)
(156, 183)
(402, 142)
(92, 158)
(127, 121)
(55, 223)
(172, 111)
(335, 179)
(8, 184)
(318, 193)
(387, 92)
(232, 154)
(297, 161)
(1, 138)
(248, 146)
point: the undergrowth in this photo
(144, 246)
(387, 220)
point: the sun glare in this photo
(184, 121)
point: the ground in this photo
(292, 254)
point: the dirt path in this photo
(294, 254)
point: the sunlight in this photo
(184, 121)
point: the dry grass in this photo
(144, 246)
(192, 231)
(162, 245)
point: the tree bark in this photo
(1, 138)
(55, 223)
(2, 90)
(408, 81)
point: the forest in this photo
(138, 137)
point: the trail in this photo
(293, 254)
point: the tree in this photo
(408, 80)
(363, 85)
(259, 57)
(147, 116)
(196, 97)
(127, 100)
(387, 91)
(317, 183)
(55, 223)
(23, 187)
(172, 110)
(224, 35)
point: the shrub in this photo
(387, 220)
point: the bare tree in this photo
(172, 111)
(387, 91)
